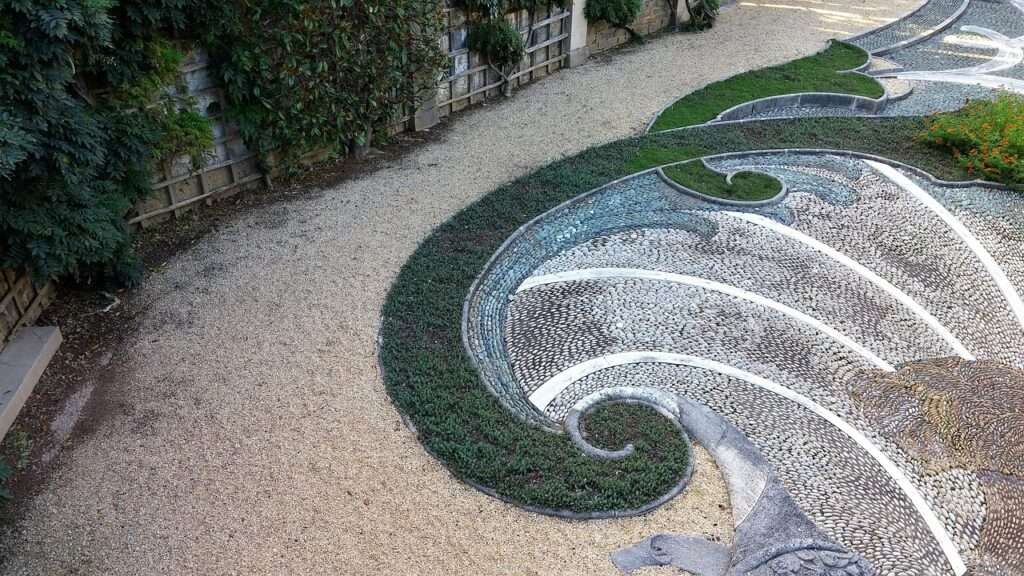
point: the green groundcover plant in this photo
(986, 138)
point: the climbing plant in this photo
(498, 42)
(618, 13)
(324, 74)
(83, 115)
(702, 13)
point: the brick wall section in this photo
(653, 18)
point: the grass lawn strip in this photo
(825, 71)
(745, 186)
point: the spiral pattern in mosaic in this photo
(795, 321)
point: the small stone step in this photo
(23, 362)
(879, 65)
(896, 88)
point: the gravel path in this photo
(251, 433)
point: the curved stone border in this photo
(861, 156)
(655, 399)
(917, 39)
(531, 414)
(742, 112)
(869, 106)
(660, 170)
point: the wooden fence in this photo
(471, 81)
(179, 185)
(20, 302)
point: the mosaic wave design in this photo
(766, 316)
(985, 48)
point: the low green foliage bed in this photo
(431, 380)
(986, 138)
(822, 72)
(746, 186)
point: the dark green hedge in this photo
(82, 116)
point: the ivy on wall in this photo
(88, 105)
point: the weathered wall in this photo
(655, 17)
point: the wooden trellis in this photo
(21, 302)
(181, 184)
(470, 80)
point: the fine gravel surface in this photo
(249, 431)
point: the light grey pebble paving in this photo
(914, 249)
(831, 478)
(956, 48)
(920, 23)
(554, 327)
(929, 97)
(774, 266)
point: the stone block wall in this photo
(654, 17)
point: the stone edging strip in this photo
(921, 38)
(742, 112)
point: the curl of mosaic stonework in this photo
(951, 413)
(832, 480)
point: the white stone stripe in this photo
(597, 273)
(863, 271)
(983, 80)
(559, 382)
(990, 264)
(1009, 52)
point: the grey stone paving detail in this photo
(917, 25)
(958, 48)
(858, 267)
(773, 536)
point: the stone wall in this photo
(654, 18)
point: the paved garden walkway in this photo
(254, 435)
